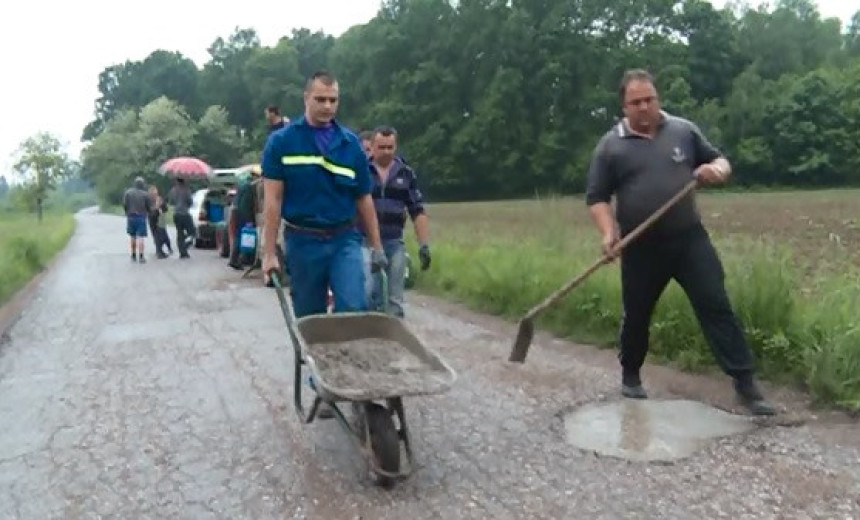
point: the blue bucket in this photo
(248, 239)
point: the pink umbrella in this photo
(185, 167)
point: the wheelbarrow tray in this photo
(336, 379)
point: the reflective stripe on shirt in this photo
(317, 160)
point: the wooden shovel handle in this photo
(638, 230)
(560, 293)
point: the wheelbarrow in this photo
(329, 346)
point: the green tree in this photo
(810, 130)
(134, 84)
(312, 50)
(217, 141)
(165, 131)
(223, 80)
(114, 157)
(42, 162)
(273, 77)
(506, 98)
(852, 36)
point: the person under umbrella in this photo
(180, 198)
(157, 224)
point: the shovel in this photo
(526, 331)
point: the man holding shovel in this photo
(644, 160)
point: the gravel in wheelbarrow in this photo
(369, 356)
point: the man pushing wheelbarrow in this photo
(317, 179)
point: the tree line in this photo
(506, 98)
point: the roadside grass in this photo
(794, 286)
(26, 246)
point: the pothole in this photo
(650, 429)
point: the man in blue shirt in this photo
(395, 193)
(316, 178)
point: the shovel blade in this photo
(523, 341)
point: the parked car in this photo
(205, 233)
(208, 209)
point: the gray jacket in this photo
(136, 201)
(180, 199)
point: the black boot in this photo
(750, 396)
(631, 385)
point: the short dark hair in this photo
(385, 131)
(366, 135)
(273, 109)
(323, 76)
(631, 75)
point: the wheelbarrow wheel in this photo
(384, 442)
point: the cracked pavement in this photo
(164, 390)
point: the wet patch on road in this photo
(650, 430)
(142, 331)
(235, 282)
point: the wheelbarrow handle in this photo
(384, 279)
(605, 259)
(286, 304)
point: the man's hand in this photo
(710, 174)
(608, 245)
(378, 260)
(270, 263)
(424, 255)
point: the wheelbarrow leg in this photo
(297, 394)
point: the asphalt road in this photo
(164, 390)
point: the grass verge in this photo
(26, 247)
(803, 329)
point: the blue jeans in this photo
(395, 251)
(317, 262)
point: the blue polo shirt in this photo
(324, 170)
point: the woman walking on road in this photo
(157, 223)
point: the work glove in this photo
(424, 256)
(378, 260)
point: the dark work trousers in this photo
(690, 259)
(184, 232)
(159, 236)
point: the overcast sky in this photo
(52, 51)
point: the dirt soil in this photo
(381, 365)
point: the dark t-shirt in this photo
(277, 126)
(180, 197)
(644, 173)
